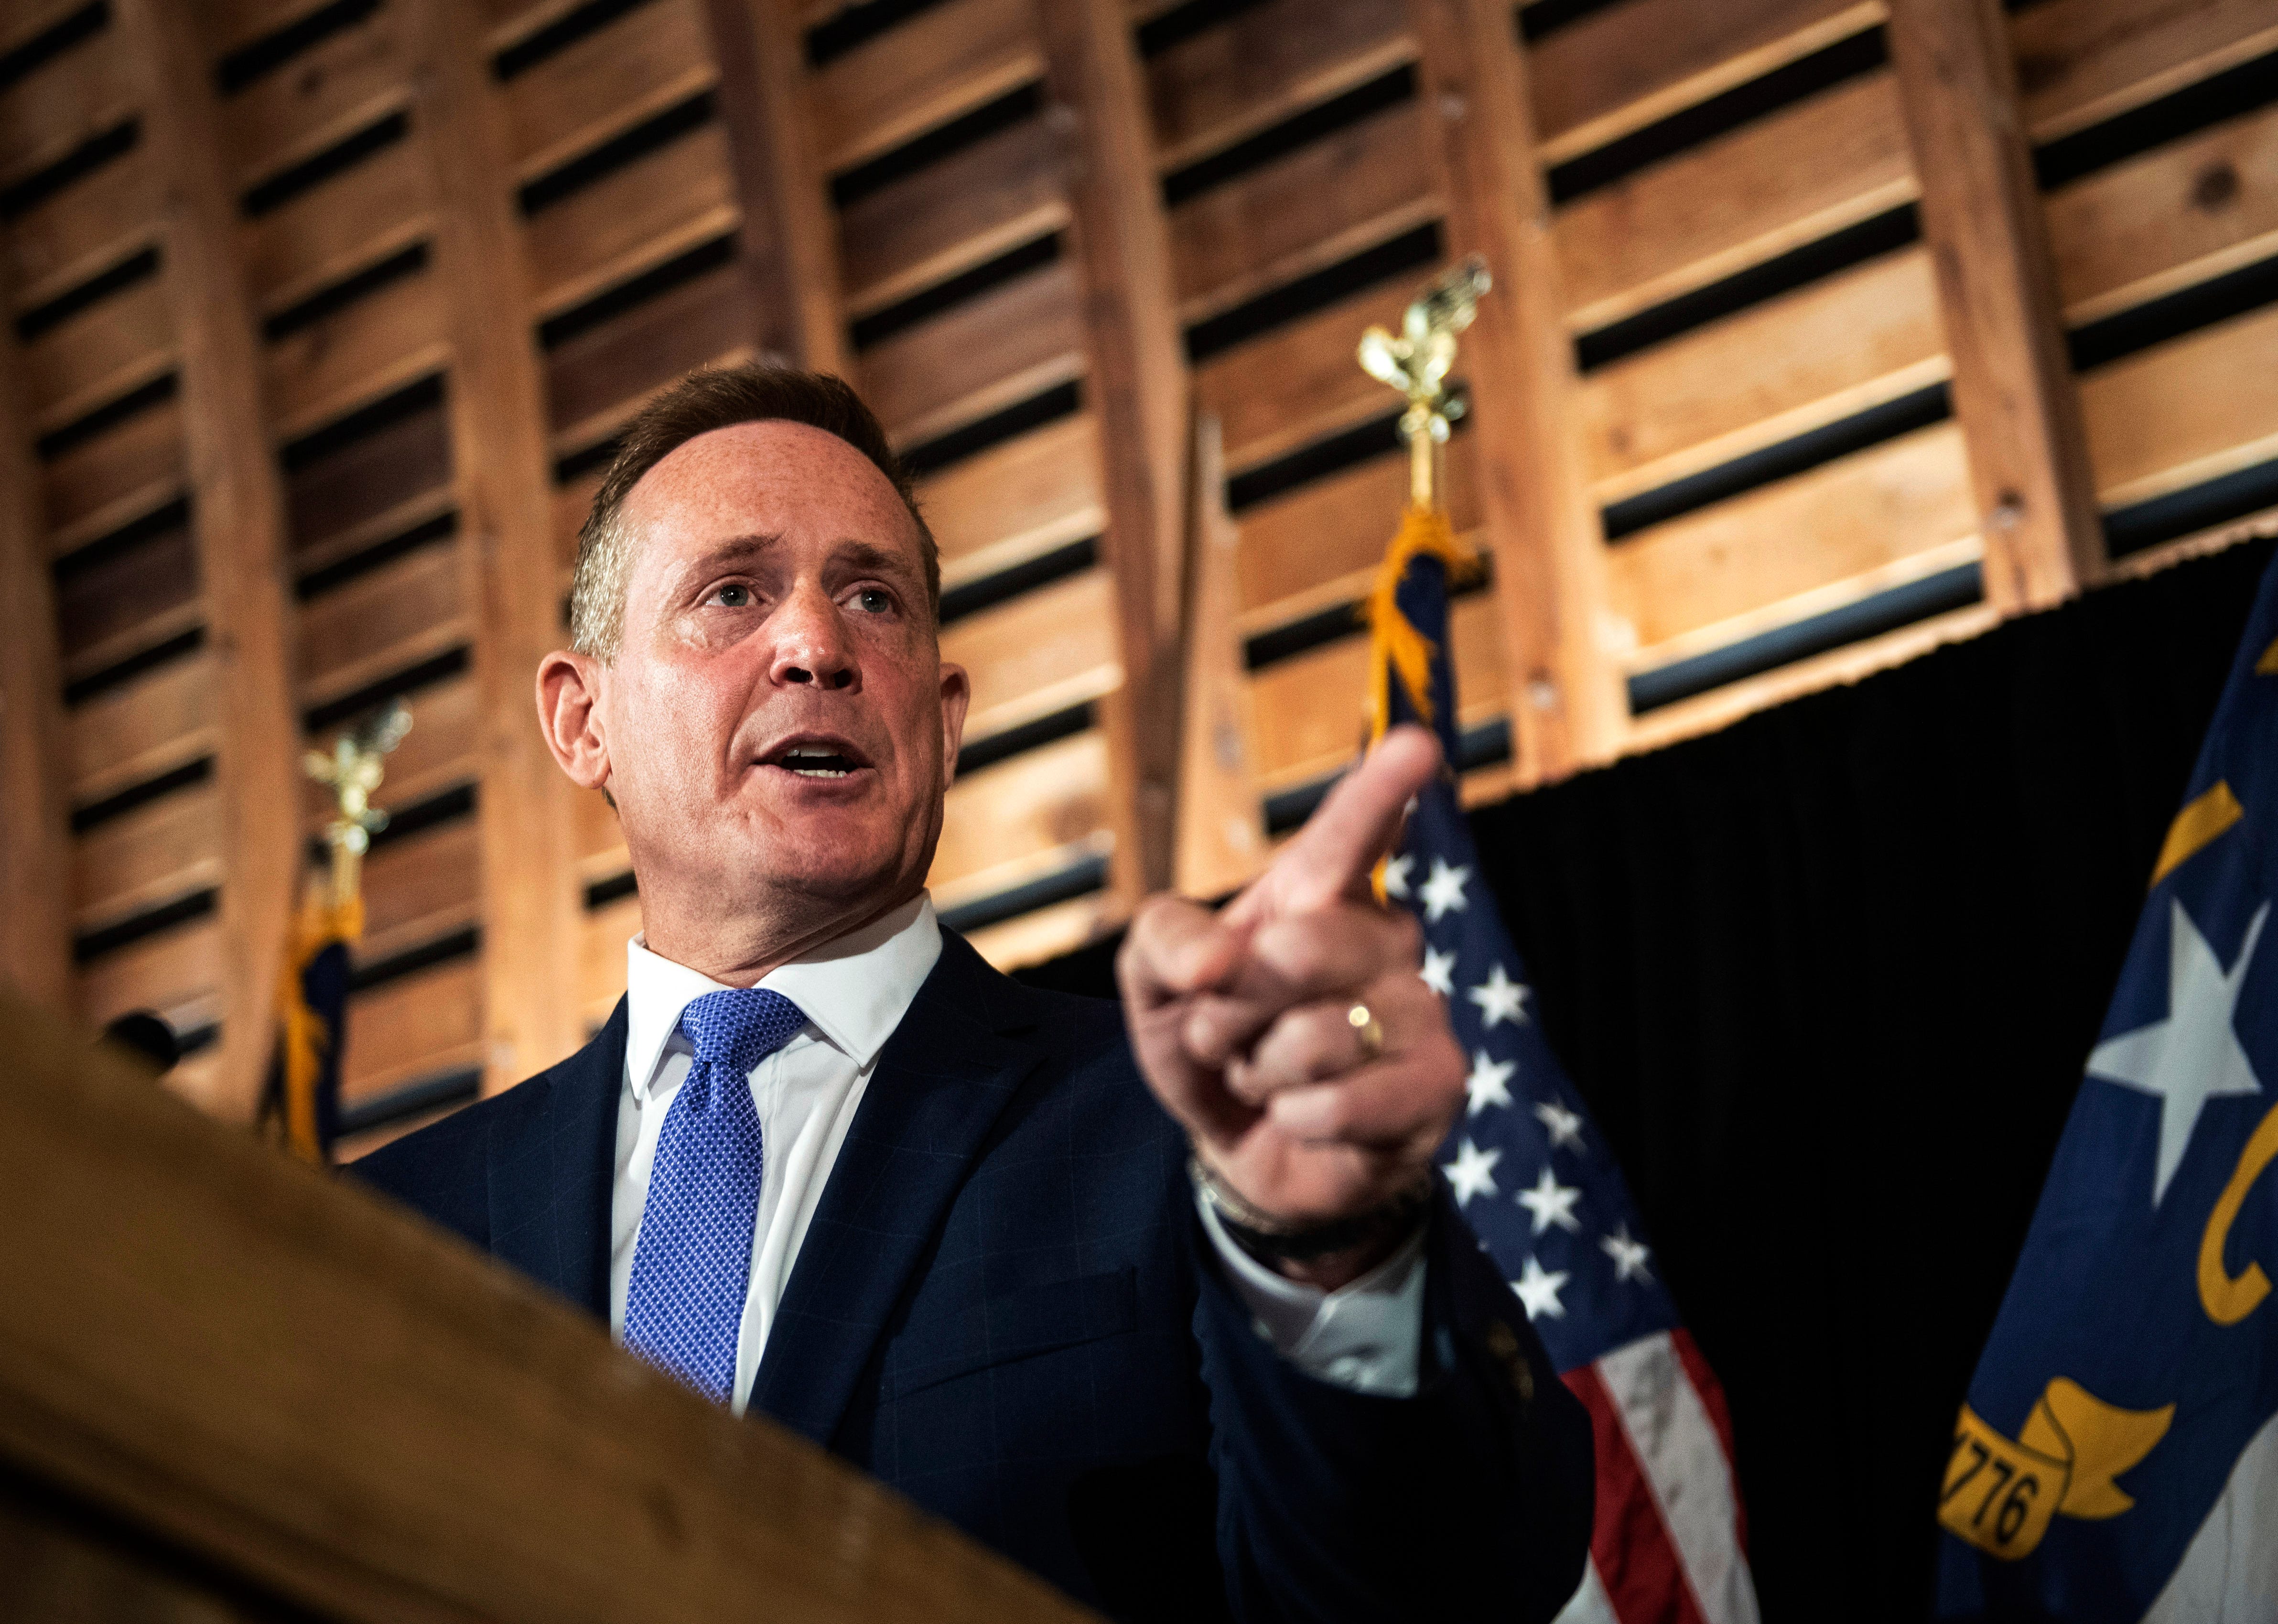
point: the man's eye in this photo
(734, 597)
(874, 599)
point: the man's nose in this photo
(812, 645)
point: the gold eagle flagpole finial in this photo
(1416, 360)
(352, 771)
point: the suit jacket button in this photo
(1502, 1342)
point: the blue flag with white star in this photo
(2118, 1456)
(1539, 1188)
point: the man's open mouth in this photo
(815, 759)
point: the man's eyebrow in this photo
(861, 557)
(869, 555)
(735, 547)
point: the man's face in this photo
(779, 725)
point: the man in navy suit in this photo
(1163, 1301)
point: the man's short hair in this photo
(713, 399)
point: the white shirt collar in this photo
(853, 990)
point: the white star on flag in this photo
(1489, 1083)
(1500, 999)
(1565, 1126)
(1551, 1202)
(2193, 1055)
(1396, 875)
(1438, 971)
(1443, 890)
(1629, 1255)
(1537, 1289)
(1472, 1172)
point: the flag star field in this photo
(1540, 1190)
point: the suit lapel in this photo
(550, 1172)
(945, 1076)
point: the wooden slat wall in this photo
(331, 164)
(1136, 382)
(35, 860)
(1220, 831)
(525, 809)
(1988, 239)
(244, 834)
(1014, 329)
(1733, 341)
(2163, 251)
(1564, 705)
(338, 211)
(789, 251)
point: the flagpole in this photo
(309, 1036)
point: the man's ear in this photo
(569, 714)
(956, 695)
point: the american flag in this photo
(1544, 1195)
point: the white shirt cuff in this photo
(1364, 1336)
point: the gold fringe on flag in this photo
(306, 1036)
(1394, 643)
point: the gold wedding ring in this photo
(1368, 1029)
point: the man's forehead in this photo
(772, 479)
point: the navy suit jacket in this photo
(1006, 1308)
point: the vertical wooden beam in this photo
(35, 823)
(531, 909)
(1220, 832)
(1137, 387)
(789, 240)
(2013, 387)
(1567, 707)
(238, 513)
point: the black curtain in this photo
(1828, 979)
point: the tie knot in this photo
(740, 1027)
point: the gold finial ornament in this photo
(1416, 361)
(352, 772)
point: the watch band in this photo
(1263, 1235)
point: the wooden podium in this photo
(231, 1387)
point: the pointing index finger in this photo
(1334, 855)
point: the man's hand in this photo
(1240, 1019)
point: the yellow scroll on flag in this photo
(2000, 1495)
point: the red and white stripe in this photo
(1670, 1543)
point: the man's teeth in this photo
(815, 763)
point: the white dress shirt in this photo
(854, 991)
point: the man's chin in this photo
(846, 861)
(855, 888)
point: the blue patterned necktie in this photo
(693, 1261)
